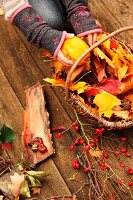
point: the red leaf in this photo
(110, 85)
(113, 44)
(91, 92)
(6, 146)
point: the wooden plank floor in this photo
(21, 66)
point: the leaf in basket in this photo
(105, 103)
(58, 66)
(113, 43)
(98, 52)
(110, 85)
(55, 82)
(80, 87)
(130, 98)
(124, 114)
(76, 72)
(100, 69)
(127, 84)
(91, 92)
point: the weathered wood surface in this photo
(21, 66)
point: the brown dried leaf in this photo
(96, 152)
(130, 98)
(36, 190)
(15, 186)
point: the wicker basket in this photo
(80, 107)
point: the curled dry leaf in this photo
(15, 186)
(96, 152)
(11, 185)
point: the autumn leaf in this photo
(91, 92)
(25, 191)
(113, 43)
(37, 174)
(36, 190)
(15, 186)
(130, 98)
(110, 85)
(123, 114)
(6, 134)
(98, 52)
(127, 84)
(96, 152)
(105, 103)
(55, 82)
(80, 87)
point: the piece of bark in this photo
(36, 138)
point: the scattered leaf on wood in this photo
(96, 152)
(36, 190)
(11, 185)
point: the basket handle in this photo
(67, 93)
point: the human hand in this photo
(91, 38)
(65, 61)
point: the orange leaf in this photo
(36, 190)
(55, 82)
(96, 152)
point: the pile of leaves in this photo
(104, 82)
(16, 179)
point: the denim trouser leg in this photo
(52, 11)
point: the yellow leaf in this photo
(96, 152)
(55, 82)
(80, 87)
(105, 103)
(101, 55)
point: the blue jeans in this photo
(52, 11)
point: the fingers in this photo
(69, 35)
(63, 59)
(92, 38)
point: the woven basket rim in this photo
(124, 123)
